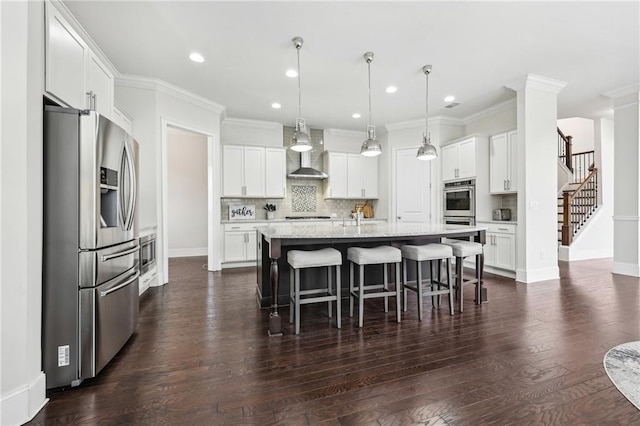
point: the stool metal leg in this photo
(292, 301)
(450, 284)
(404, 283)
(419, 287)
(459, 280)
(385, 268)
(398, 292)
(361, 296)
(329, 291)
(297, 283)
(351, 289)
(338, 299)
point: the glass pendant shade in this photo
(427, 151)
(371, 147)
(300, 142)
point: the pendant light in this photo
(301, 141)
(427, 151)
(370, 147)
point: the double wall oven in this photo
(459, 203)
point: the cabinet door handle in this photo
(94, 97)
(508, 184)
(503, 229)
(90, 95)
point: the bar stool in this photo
(429, 253)
(361, 256)
(299, 259)
(461, 250)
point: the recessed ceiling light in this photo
(276, 105)
(450, 98)
(196, 57)
(356, 115)
(291, 73)
(391, 89)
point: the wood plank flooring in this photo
(201, 356)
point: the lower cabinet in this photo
(500, 248)
(240, 244)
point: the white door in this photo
(254, 171)
(276, 173)
(413, 192)
(498, 159)
(467, 159)
(100, 85)
(370, 177)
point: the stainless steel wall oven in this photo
(459, 199)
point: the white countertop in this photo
(377, 230)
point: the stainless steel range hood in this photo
(306, 171)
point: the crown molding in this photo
(253, 124)
(147, 83)
(345, 133)
(419, 123)
(538, 82)
(66, 13)
(493, 110)
(623, 91)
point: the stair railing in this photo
(577, 206)
(582, 165)
(564, 149)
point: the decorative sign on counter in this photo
(239, 211)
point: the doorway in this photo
(412, 187)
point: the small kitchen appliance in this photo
(502, 214)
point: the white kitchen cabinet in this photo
(351, 176)
(500, 248)
(335, 165)
(276, 173)
(99, 88)
(503, 163)
(240, 243)
(243, 171)
(73, 73)
(122, 119)
(459, 160)
(66, 56)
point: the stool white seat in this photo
(361, 256)
(461, 250)
(299, 259)
(434, 287)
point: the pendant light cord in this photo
(369, 73)
(426, 109)
(299, 96)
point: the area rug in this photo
(622, 364)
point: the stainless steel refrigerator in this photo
(90, 247)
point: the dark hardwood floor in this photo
(201, 356)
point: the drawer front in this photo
(240, 227)
(500, 228)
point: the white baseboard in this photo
(188, 252)
(21, 405)
(536, 275)
(569, 254)
(629, 269)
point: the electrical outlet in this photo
(63, 356)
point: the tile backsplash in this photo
(288, 206)
(511, 202)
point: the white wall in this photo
(187, 193)
(22, 382)
(493, 120)
(237, 131)
(156, 104)
(582, 131)
(345, 140)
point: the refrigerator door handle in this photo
(124, 206)
(132, 250)
(119, 286)
(132, 186)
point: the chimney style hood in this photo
(306, 171)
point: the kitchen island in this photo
(276, 240)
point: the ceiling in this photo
(475, 48)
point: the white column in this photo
(22, 384)
(537, 240)
(626, 208)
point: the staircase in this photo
(579, 200)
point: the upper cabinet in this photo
(502, 160)
(459, 160)
(253, 172)
(73, 73)
(351, 176)
(122, 119)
